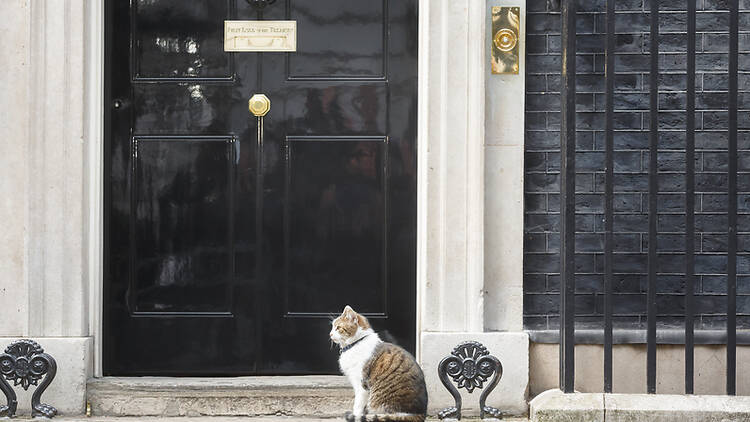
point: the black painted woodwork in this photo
(228, 256)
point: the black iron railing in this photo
(568, 200)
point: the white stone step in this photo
(296, 396)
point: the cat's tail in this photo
(395, 417)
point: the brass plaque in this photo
(506, 27)
(260, 36)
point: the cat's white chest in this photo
(352, 362)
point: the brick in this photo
(717, 43)
(669, 284)
(631, 22)
(714, 284)
(670, 305)
(533, 323)
(589, 283)
(670, 202)
(535, 242)
(625, 202)
(671, 82)
(714, 202)
(670, 223)
(542, 222)
(711, 183)
(626, 283)
(670, 182)
(628, 120)
(711, 61)
(542, 263)
(543, 102)
(672, 101)
(535, 121)
(589, 203)
(668, 43)
(709, 304)
(543, 64)
(631, 140)
(535, 202)
(629, 43)
(712, 21)
(591, 43)
(631, 101)
(711, 223)
(715, 161)
(589, 161)
(673, 22)
(711, 101)
(590, 83)
(536, 83)
(627, 82)
(633, 63)
(714, 243)
(536, 44)
(535, 161)
(674, 140)
(627, 161)
(630, 263)
(711, 140)
(710, 264)
(589, 242)
(542, 24)
(715, 5)
(543, 183)
(715, 120)
(584, 102)
(542, 140)
(670, 161)
(629, 304)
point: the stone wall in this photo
(631, 137)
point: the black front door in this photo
(229, 245)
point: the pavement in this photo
(212, 419)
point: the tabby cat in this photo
(388, 383)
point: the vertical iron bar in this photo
(609, 192)
(732, 229)
(567, 197)
(653, 189)
(690, 202)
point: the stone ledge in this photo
(318, 396)
(553, 405)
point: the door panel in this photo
(181, 264)
(226, 252)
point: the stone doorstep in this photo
(300, 396)
(555, 406)
(219, 419)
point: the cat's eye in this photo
(340, 329)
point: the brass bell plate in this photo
(506, 27)
(259, 105)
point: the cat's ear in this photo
(349, 313)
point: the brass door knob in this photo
(259, 105)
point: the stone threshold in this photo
(216, 419)
(292, 396)
(554, 405)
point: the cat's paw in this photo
(44, 410)
(448, 412)
(491, 412)
(351, 417)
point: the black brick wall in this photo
(631, 102)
